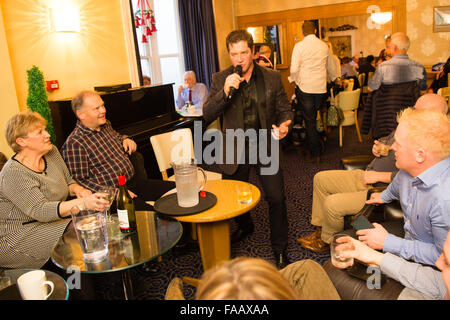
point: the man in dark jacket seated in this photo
(397, 83)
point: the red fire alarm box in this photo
(52, 85)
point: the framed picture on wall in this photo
(441, 19)
(342, 45)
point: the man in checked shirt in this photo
(95, 153)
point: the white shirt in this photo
(311, 60)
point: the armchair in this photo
(391, 216)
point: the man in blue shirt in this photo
(422, 149)
(400, 68)
(192, 91)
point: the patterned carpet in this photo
(298, 177)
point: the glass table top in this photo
(154, 236)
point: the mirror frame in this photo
(440, 28)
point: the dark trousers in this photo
(309, 104)
(148, 190)
(273, 187)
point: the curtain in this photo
(198, 31)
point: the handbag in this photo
(334, 116)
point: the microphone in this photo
(238, 70)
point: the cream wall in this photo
(8, 98)
(369, 41)
(95, 56)
(427, 46)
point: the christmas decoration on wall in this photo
(144, 19)
(344, 27)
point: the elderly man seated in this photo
(337, 193)
(400, 68)
(192, 91)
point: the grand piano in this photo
(136, 112)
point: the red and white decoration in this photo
(145, 20)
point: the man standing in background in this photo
(311, 60)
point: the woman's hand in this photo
(79, 191)
(95, 202)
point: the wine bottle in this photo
(125, 208)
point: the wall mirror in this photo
(441, 19)
(270, 35)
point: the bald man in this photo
(400, 68)
(337, 193)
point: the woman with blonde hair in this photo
(246, 278)
(34, 186)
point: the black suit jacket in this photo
(275, 110)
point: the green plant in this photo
(37, 99)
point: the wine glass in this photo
(109, 197)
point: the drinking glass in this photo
(384, 148)
(110, 194)
(244, 192)
(337, 249)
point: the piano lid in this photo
(125, 109)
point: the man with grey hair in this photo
(400, 68)
(192, 91)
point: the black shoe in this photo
(186, 245)
(281, 259)
(240, 234)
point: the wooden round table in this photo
(213, 229)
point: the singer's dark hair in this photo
(239, 35)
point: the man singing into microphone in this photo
(250, 97)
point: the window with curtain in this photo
(161, 58)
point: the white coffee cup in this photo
(33, 285)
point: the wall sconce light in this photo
(65, 17)
(381, 17)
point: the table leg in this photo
(127, 284)
(214, 242)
